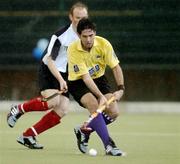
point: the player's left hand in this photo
(118, 94)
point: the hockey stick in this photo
(52, 96)
(100, 110)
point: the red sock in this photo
(33, 105)
(48, 121)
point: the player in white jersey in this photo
(52, 78)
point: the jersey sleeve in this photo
(110, 57)
(52, 49)
(76, 64)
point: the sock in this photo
(107, 119)
(98, 124)
(48, 121)
(33, 105)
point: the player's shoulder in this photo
(102, 41)
(73, 46)
(61, 30)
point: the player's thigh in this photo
(78, 89)
(90, 102)
(55, 101)
(113, 110)
(83, 95)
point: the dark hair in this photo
(85, 23)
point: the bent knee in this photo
(62, 107)
(113, 114)
(61, 111)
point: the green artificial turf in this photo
(147, 139)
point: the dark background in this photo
(144, 33)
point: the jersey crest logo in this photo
(97, 68)
(94, 70)
(76, 68)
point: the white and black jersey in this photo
(57, 48)
(58, 45)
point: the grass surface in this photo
(147, 139)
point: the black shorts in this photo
(48, 81)
(78, 88)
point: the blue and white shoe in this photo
(13, 116)
(112, 150)
(29, 142)
(82, 139)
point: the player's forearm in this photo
(53, 69)
(118, 75)
(91, 85)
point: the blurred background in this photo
(144, 33)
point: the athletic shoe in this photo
(29, 142)
(82, 139)
(111, 142)
(13, 116)
(112, 150)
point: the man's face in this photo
(78, 13)
(87, 39)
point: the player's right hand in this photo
(118, 94)
(63, 86)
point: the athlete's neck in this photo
(85, 48)
(74, 28)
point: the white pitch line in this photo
(128, 107)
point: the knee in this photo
(62, 107)
(61, 111)
(55, 102)
(92, 105)
(113, 113)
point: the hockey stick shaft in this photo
(100, 109)
(52, 96)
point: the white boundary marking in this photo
(129, 107)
